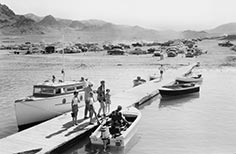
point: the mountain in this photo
(33, 17)
(91, 30)
(12, 24)
(85, 30)
(49, 21)
(229, 28)
(190, 34)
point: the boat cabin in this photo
(50, 89)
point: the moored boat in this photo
(132, 115)
(188, 79)
(153, 77)
(176, 89)
(49, 99)
(138, 81)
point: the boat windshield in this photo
(39, 90)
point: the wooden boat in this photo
(138, 81)
(49, 99)
(132, 115)
(153, 77)
(176, 89)
(188, 79)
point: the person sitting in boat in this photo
(138, 81)
(115, 129)
(117, 118)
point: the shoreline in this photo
(216, 57)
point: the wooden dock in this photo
(55, 133)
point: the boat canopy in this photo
(49, 89)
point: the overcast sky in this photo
(155, 14)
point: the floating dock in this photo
(53, 134)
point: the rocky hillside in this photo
(189, 34)
(229, 28)
(10, 23)
(91, 30)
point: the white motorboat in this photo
(188, 79)
(132, 115)
(49, 99)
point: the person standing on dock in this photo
(101, 97)
(74, 106)
(91, 101)
(161, 68)
(108, 100)
(87, 91)
(53, 78)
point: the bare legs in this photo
(102, 107)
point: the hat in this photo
(76, 92)
(119, 107)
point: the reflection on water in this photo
(177, 100)
(147, 103)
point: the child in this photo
(91, 108)
(108, 100)
(74, 107)
(105, 135)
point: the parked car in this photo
(189, 55)
(138, 51)
(157, 53)
(116, 52)
(225, 44)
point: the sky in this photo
(154, 14)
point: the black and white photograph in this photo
(117, 77)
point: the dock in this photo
(53, 134)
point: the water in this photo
(198, 123)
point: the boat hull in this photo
(33, 111)
(138, 82)
(123, 139)
(188, 80)
(182, 91)
(153, 77)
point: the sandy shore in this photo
(216, 57)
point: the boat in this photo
(132, 115)
(138, 81)
(153, 77)
(189, 79)
(49, 99)
(175, 89)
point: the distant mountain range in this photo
(92, 30)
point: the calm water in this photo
(203, 123)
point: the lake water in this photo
(197, 124)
